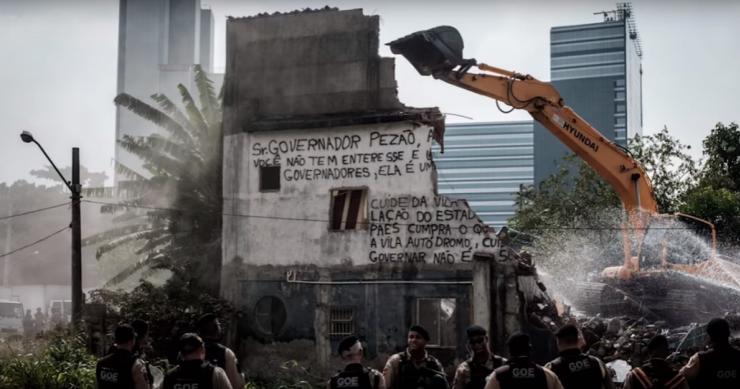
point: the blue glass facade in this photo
(485, 163)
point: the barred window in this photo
(341, 321)
(348, 209)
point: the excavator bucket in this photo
(437, 50)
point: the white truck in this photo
(11, 318)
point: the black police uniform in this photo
(114, 370)
(354, 376)
(216, 354)
(521, 373)
(577, 370)
(656, 374)
(480, 371)
(719, 368)
(430, 376)
(195, 374)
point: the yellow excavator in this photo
(679, 289)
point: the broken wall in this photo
(332, 222)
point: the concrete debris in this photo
(625, 339)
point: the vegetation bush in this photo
(170, 310)
(59, 361)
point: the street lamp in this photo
(75, 187)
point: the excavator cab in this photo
(434, 51)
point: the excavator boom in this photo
(438, 52)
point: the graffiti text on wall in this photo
(421, 229)
(379, 154)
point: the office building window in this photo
(341, 321)
(620, 107)
(619, 95)
(348, 209)
(620, 120)
(438, 316)
(269, 178)
(619, 83)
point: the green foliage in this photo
(722, 150)
(171, 310)
(175, 203)
(671, 169)
(62, 362)
(721, 206)
(716, 195)
(564, 200)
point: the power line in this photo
(34, 243)
(34, 211)
(287, 218)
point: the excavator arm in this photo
(438, 52)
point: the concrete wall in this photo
(305, 64)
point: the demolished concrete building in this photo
(332, 222)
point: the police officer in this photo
(472, 373)
(520, 372)
(657, 373)
(354, 375)
(575, 369)
(193, 372)
(414, 368)
(718, 368)
(121, 369)
(209, 328)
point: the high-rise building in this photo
(486, 163)
(159, 41)
(597, 69)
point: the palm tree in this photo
(172, 209)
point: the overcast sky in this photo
(58, 64)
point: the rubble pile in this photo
(622, 341)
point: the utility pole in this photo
(76, 189)
(76, 239)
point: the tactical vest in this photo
(719, 368)
(521, 374)
(216, 354)
(576, 370)
(190, 375)
(429, 376)
(114, 370)
(354, 376)
(479, 372)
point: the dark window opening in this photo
(270, 316)
(439, 317)
(348, 209)
(269, 178)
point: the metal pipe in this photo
(291, 278)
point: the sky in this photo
(59, 61)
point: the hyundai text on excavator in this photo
(675, 290)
